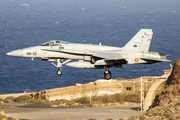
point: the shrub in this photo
(105, 98)
(10, 118)
(145, 93)
(39, 101)
(141, 118)
(115, 98)
(118, 97)
(22, 98)
(132, 98)
(96, 99)
(83, 100)
(4, 117)
(1, 99)
(10, 98)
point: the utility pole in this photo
(90, 99)
(142, 93)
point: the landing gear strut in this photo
(107, 73)
(59, 66)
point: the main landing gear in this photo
(59, 66)
(107, 73)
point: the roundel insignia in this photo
(136, 60)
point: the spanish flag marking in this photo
(136, 60)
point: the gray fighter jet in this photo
(136, 51)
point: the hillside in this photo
(166, 105)
(171, 89)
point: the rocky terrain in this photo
(80, 90)
(171, 88)
(99, 87)
(166, 105)
(167, 111)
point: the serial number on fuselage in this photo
(31, 53)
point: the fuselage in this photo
(80, 52)
(64, 51)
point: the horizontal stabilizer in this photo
(156, 59)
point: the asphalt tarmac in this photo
(45, 112)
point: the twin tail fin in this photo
(140, 42)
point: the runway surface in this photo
(45, 112)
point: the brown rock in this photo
(171, 89)
(72, 92)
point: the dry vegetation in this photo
(4, 117)
(104, 99)
(98, 100)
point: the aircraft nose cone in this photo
(16, 53)
(8, 53)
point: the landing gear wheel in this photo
(107, 75)
(59, 71)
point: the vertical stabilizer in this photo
(140, 42)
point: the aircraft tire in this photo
(59, 72)
(107, 76)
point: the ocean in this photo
(26, 23)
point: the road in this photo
(44, 112)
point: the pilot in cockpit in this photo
(58, 42)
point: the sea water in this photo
(26, 23)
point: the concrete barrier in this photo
(157, 85)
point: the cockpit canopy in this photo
(54, 43)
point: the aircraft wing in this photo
(109, 59)
(156, 59)
(108, 56)
(104, 56)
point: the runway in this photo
(45, 112)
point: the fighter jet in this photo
(136, 51)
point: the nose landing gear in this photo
(59, 71)
(59, 66)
